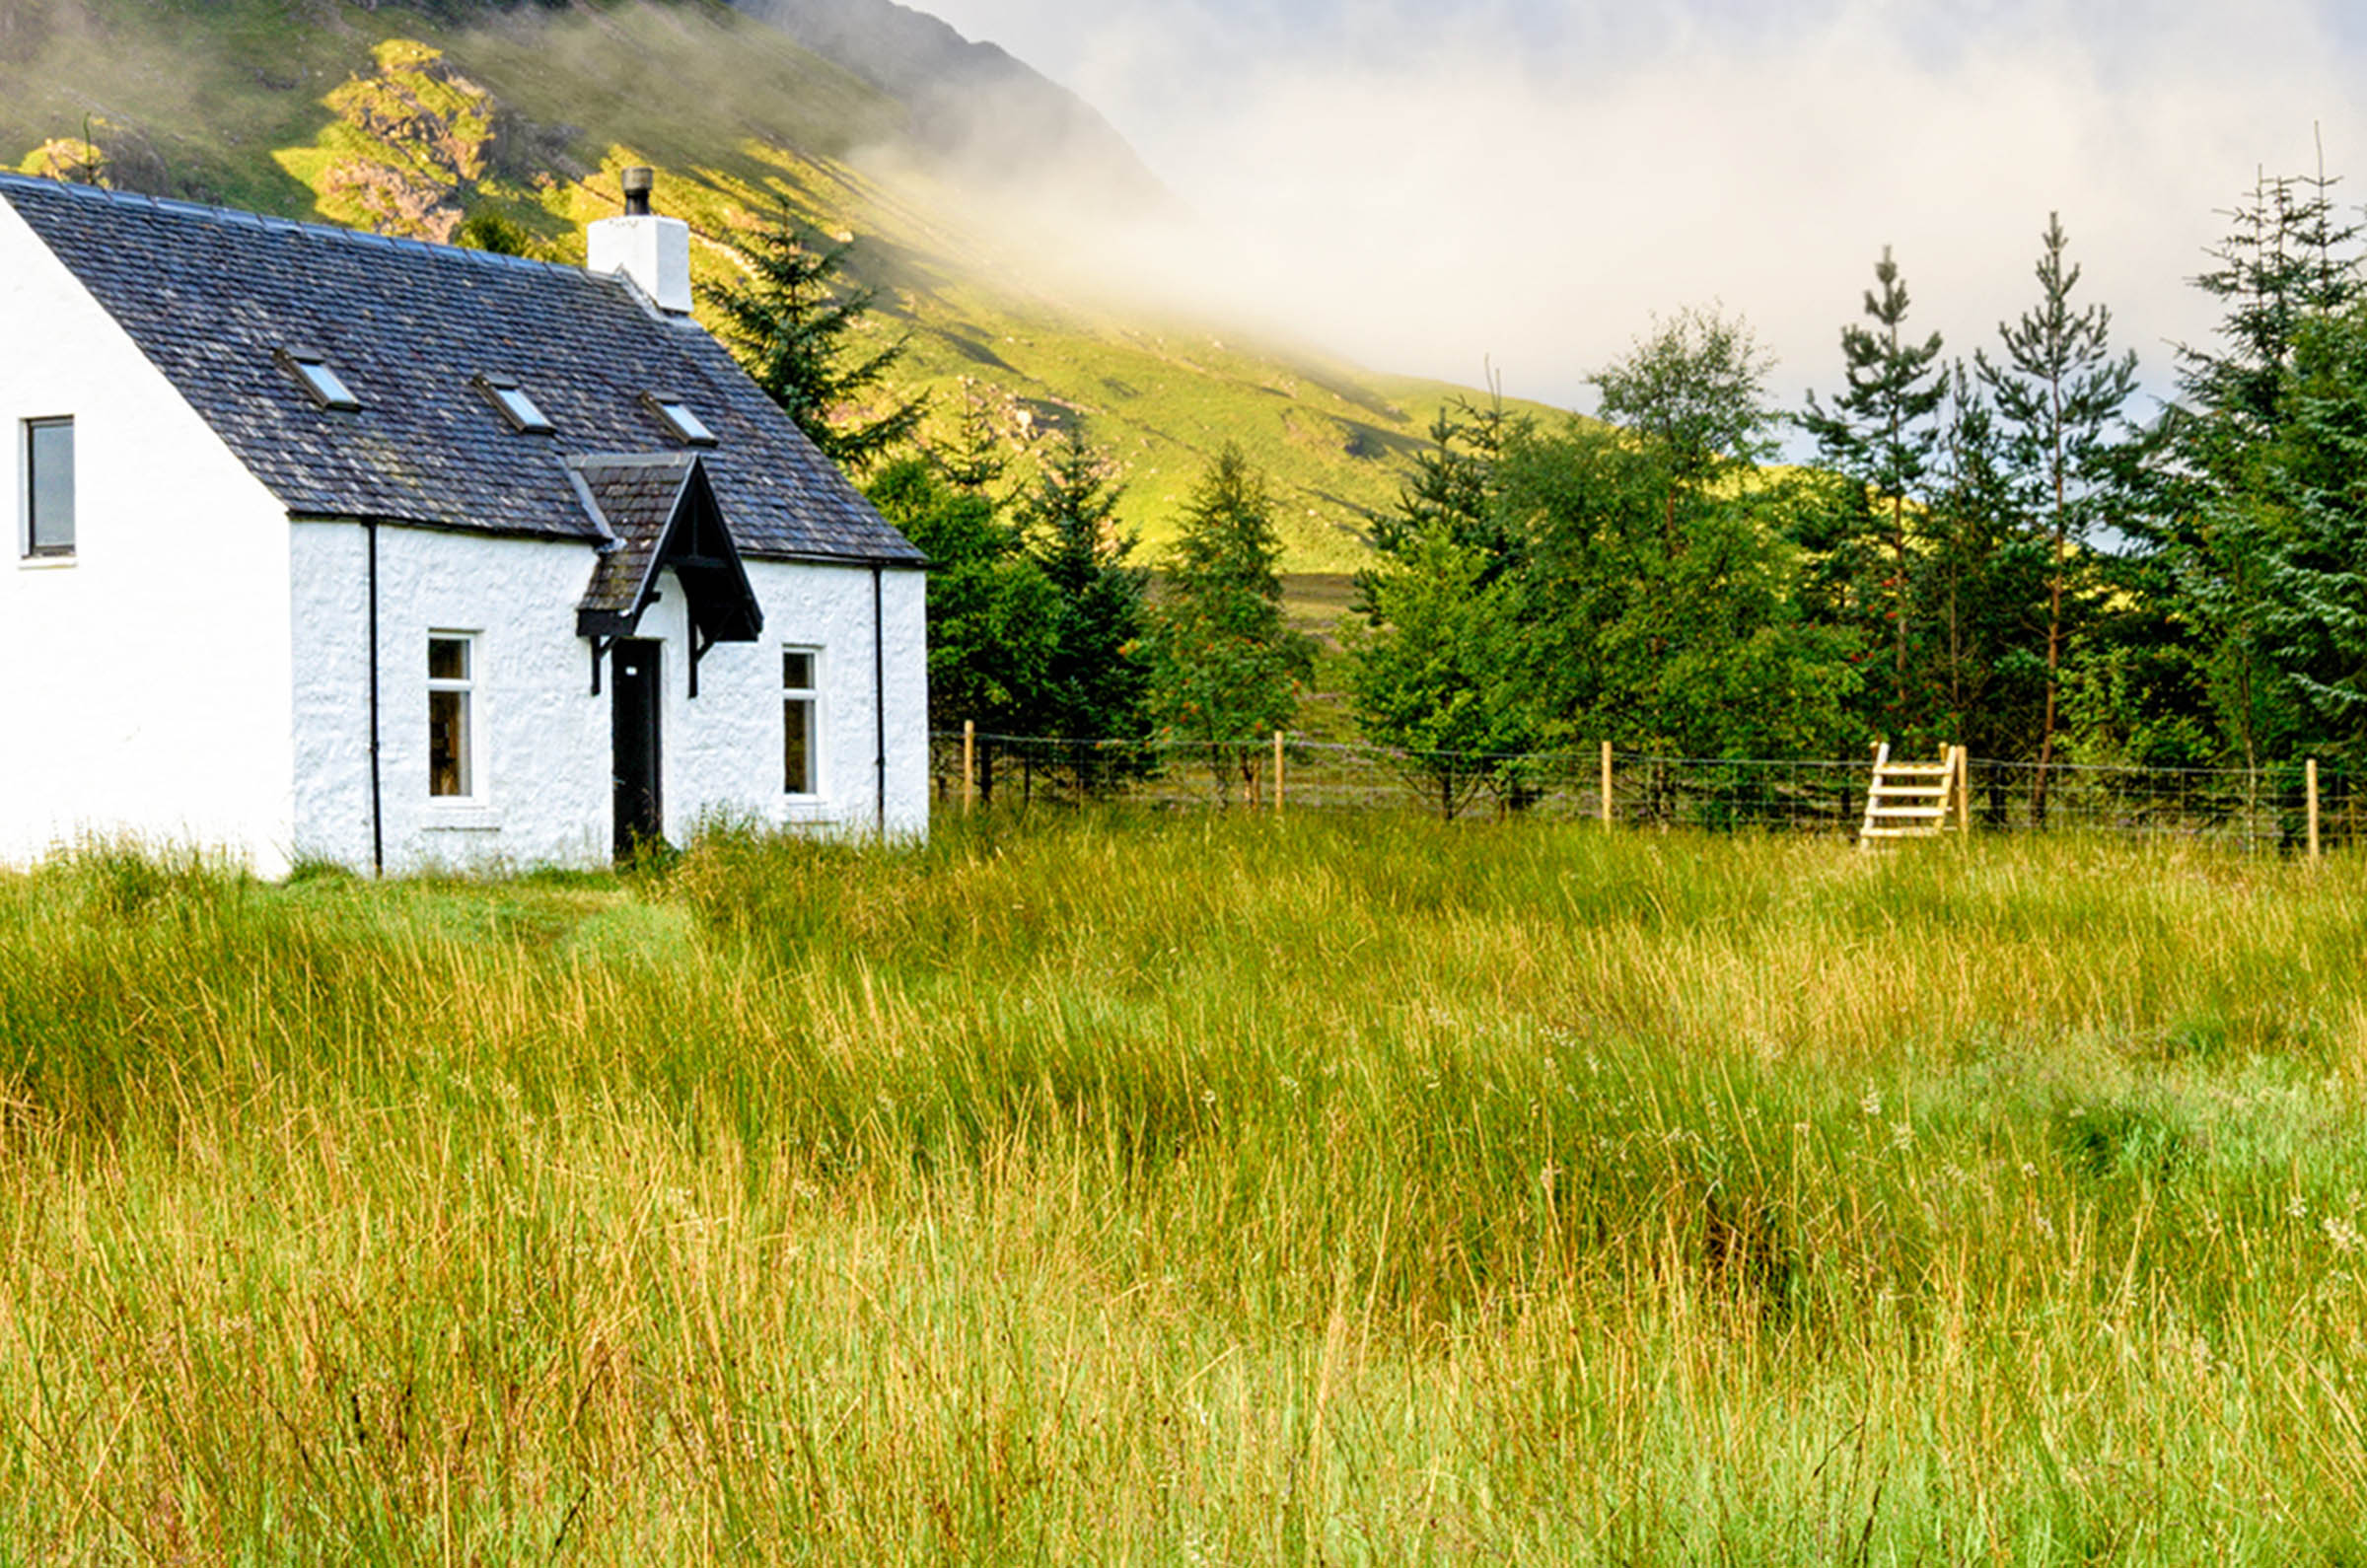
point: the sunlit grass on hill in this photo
(252, 102)
(1184, 1188)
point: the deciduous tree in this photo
(1696, 387)
(1443, 672)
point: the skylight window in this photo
(327, 388)
(514, 405)
(685, 421)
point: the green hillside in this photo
(508, 127)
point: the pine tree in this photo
(1986, 576)
(1225, 668)
(2212, 547)
(1097, 682)
(1454, 485)
(2312, 480)
(1879, 433)
(789, 321)
(2062, 397)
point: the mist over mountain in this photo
(990, 116)
(1012, 239)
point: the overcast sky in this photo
(1526, 182)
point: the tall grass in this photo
(1190, 1190)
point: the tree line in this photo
(2002, 551)
(1041, 619)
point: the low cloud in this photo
(1528, 183)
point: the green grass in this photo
(1166, 1190)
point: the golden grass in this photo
(1190, 1189)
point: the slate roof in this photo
(636, 499)
(215, 298)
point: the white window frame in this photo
(328, 388)
(684, 421)
(810, 697)
(469, 688)
(29, 553)
(516, 405)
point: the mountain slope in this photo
(982, 112)
(508, 127)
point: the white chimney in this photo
(654, 252)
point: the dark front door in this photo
(633, 678)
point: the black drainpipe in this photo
(879, 698)
(377, 804)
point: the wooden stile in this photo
(1916, 799)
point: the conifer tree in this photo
(992, 615)
(2285, 259)
(2213, 543)
(1096, 682)
(1879, 433)
(1225, 668)
(1986, 576)
(973, 460)
(1454, 485)
(2310, 483)
(2061, 396)
(789, 322)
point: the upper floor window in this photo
(50, 486)
(451, 688)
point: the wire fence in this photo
(2264, 808)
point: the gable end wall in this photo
(143, 686)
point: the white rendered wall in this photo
(723, 749)
(542, 741)
(143, 681)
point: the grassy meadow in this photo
(1190, 1189)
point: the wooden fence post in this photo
(2310, 778)
(969, 765)
(1607, 783)
(1277, 772)
(1964, 791)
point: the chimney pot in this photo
(636, 182)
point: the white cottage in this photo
(399, 555)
